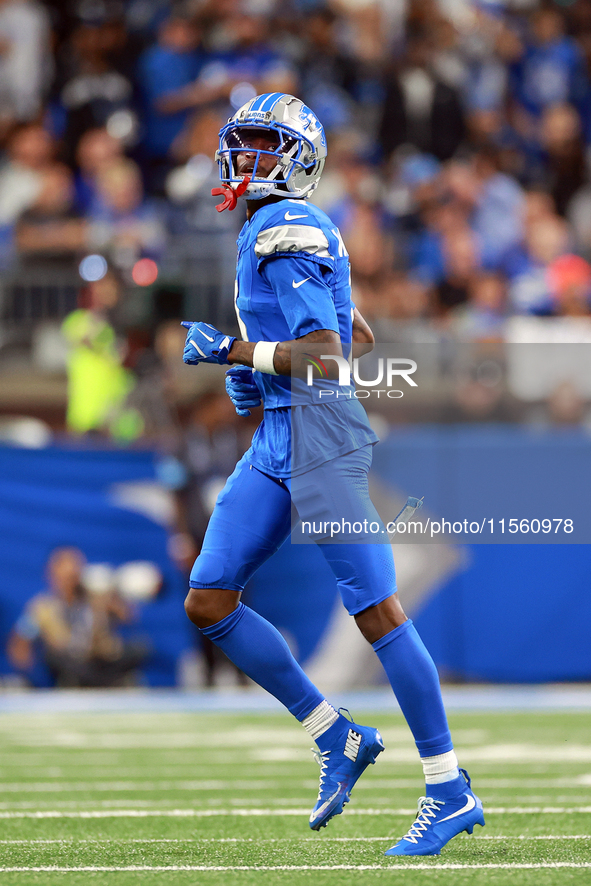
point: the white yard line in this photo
(533, 837)
(85, 786)
(72, 841)
(273, 744)
(258, 812)
(304, 867)
(245, 784)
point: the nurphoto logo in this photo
(387, 371)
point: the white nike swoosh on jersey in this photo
(208, 337)
(289, 217)
(470, 804)
(325, 805)
(301, 283)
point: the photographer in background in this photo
(73, 630)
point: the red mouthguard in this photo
(230, 194)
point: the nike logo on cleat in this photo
(301, 283)
(470, 804)
(352, 745)
(318, 812)
(289, 217)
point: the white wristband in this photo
(262, 357)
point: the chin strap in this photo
(230, 194)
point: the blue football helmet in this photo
(300, 146)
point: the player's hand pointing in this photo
(206, 344)
(242, 389)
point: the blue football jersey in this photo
(293, 277)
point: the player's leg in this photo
(367, 583)
(366, 578)
(451, 806)
(347, 748)
(251, 520)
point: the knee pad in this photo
(211, 571)
(365, 574)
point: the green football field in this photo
(204, 798)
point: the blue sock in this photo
(258, 649)
(415, 681)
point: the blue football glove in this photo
(242, 389)
(206, 344)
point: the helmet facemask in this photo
(291, 153)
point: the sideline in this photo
(456, 698)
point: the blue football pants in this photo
(253, 517)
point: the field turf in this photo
(212, 799)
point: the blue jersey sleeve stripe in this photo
(324, 261)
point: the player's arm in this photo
(363, 337)
(301, 283)
(240, 384)
(289, 357)
(306, 301)
(295, 262)
(206, 344)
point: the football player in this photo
(293, 295)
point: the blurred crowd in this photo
(458, 139)
(458, 169)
